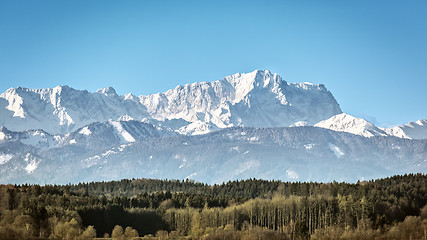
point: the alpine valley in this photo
(253, 125)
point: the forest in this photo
(389, 208)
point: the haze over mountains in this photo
(237, 127)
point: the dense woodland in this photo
(390, 208)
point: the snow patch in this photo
(292, 174)
(236, 148)
(122, 147)
(64, 117)
(309, 146)
(337, 151)
(2, 136)
(253, 139)
(85, 131)
(32, 163)
(15, 103)
(31, 167)
(195, 128)
(125, 118)
(72, 141)
(108, 91)
(107, 153)
(121, 132)
(191, 175)
(300, 124)
(4, 158)
(88, 162)
(184, 161)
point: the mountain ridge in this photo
(256, 99)
(246, 125)
(288, 153)
(346, 123)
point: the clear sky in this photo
(372, 55)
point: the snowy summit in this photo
(256, 99)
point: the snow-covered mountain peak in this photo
(63, 90)
(12, 102)
(309, 86)
(411, 130)
(53, 95)
(422, 122)
(347, 123)
(107, 91)
(258, 79)
(43, 91)
(299, 124)
(257, 99)
(257, 76)
(129, 96)
(63, 109)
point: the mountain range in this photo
(243, 126)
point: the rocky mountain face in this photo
(243, 126)
(63, 109)
(256, 99)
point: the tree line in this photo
(389, 208)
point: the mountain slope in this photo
(257, 99)
(346, 123)
(294, 153)
(412, 130)
(217, 131)
(63, 109)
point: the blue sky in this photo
(372, 55)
